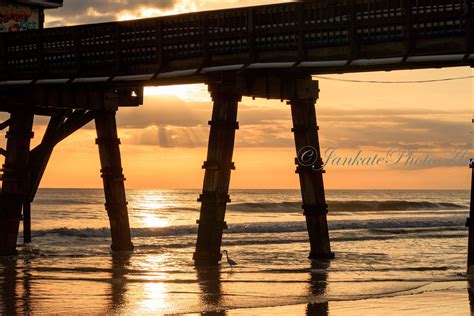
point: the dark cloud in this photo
(397, 131)
(162, 111)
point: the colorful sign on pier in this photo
(18, 17)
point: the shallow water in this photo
(388, 244)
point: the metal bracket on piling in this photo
(315, 210)
(234, 125)
(107, 141)
(217, 198)
(216, 165)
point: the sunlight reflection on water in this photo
(378, 253)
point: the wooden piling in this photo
(214, 197)
(26, 221)
(470, 225)
(310, 170)
(113, 179)
(15, 178)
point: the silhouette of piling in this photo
(470, 225)
(215, 194)
(15, 178)
(310, 170)
(113, 179)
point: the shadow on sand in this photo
(318, 288)
(15, 286)
(209, 279)
(119, 270)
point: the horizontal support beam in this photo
(59, 128)
(49, 99)
(281, 87)
(214, 198)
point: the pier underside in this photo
(301, 92)
(70, 107)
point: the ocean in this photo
(389, 245)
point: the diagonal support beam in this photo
(5, 124)
(59, 128)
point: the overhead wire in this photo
(394, 82)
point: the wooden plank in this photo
(41, 154)
(75, 96)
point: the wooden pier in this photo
(76, 75)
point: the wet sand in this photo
(446, 302)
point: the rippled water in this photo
(387, 244)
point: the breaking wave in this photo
(394, 225)
(349, 206)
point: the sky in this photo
(423, 131)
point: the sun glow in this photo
(185, 6)
(155, 298)
(151, 220)
(189, 93)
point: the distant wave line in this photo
(351, 206)
(270, 227)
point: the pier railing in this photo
(322, 34)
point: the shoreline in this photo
(458, 301)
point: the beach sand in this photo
(454, 301)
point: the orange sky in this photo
(164, 141)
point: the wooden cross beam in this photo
(59, 128)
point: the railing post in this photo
(251, 37)
(117, 40)
(354, 42)
(3, 57)
(408, 28)
(159, 45)
(206, 56)
(300, 31)
(468, 26)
